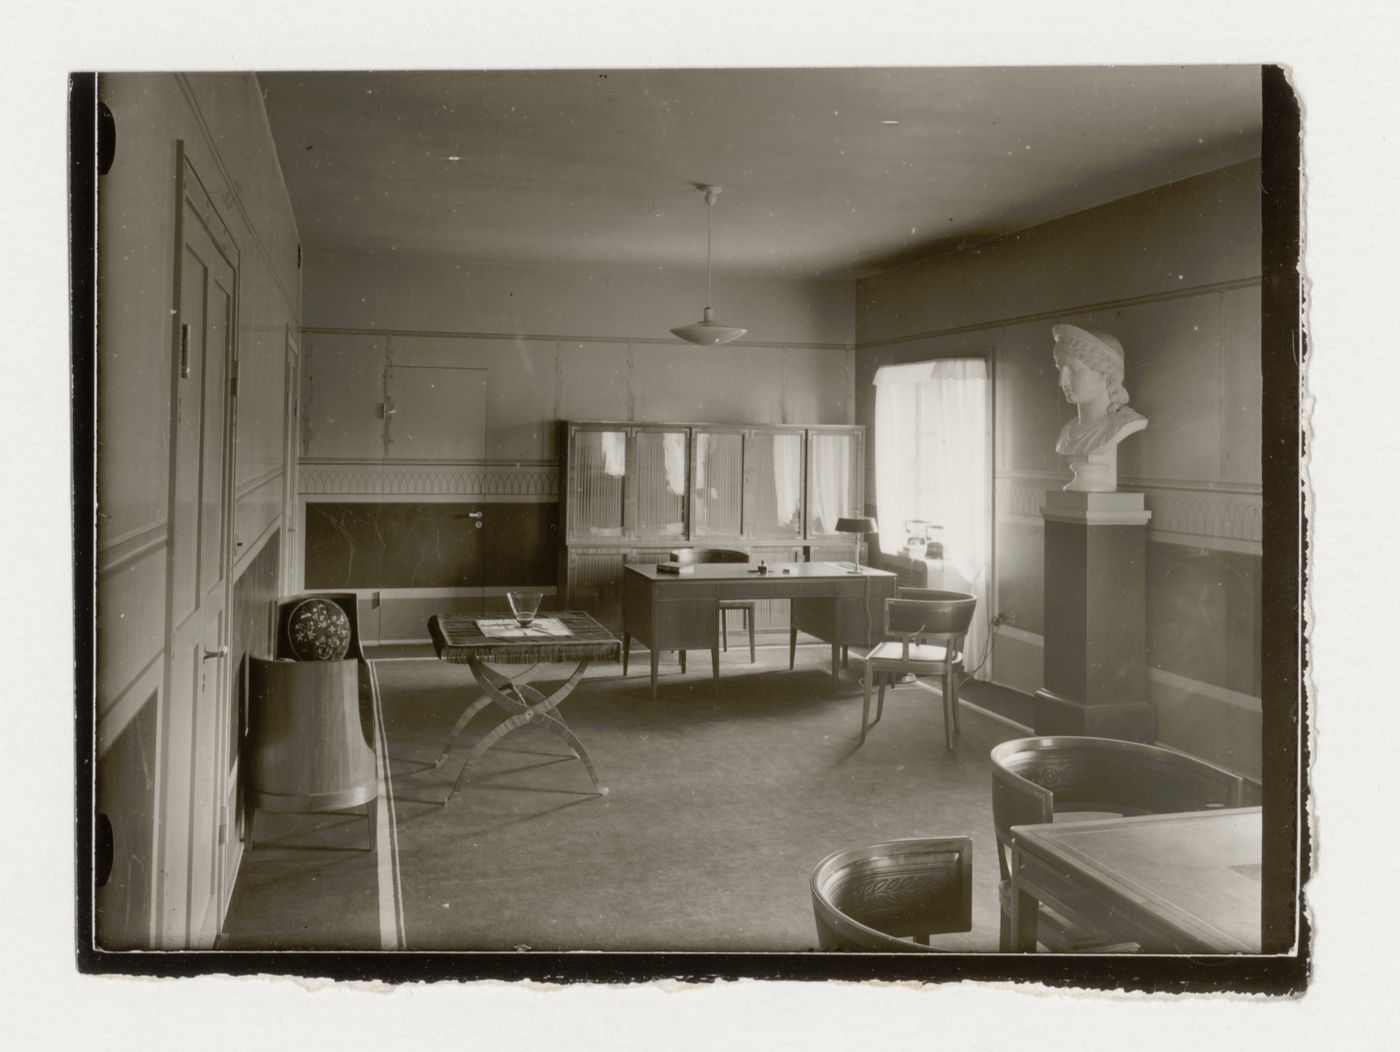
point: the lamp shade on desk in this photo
(859, 526)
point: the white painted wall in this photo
(568, 343)
(223, 126)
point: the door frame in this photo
(188, 187)
(289, 579)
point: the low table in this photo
(1173, 883)
(459, 638)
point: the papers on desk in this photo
(509, 628)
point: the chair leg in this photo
(957, 709)
(880, 705)
(1004, 944)
(682, 662)
(865, 703)
(626, 646)
(714, 663)
(724, 629)
(749, 619)
(948, 709)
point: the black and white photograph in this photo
(605, 514)
(571, 522)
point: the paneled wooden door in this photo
(197, 703)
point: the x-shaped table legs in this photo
(527, 705)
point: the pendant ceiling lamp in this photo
(707, 330)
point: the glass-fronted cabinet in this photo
(662, 474)
(633, 492)
(834, 461)
(597, 480)
(773, 485)
(717, 484)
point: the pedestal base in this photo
(1128, 721)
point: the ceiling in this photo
(836, 173)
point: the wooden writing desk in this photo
(1177, 883)
(677, 611)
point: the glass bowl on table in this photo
(524, 605)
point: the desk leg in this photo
(655, 670)
(835, 664)
(626, 649)
(792, 649)
(1025, 909)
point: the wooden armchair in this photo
(925, 630)
(891, 897)
(308, 751)
(1039, 780)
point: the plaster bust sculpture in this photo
(1090, 365)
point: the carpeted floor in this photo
(717, 810)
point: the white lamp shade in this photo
(708, 331)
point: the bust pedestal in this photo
(1095, 617)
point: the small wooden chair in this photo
(925, 630)
(308, 750)
(889, 898)
(687, 556)
(1039, 780)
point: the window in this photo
(933, 462)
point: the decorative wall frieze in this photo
(483, 479)
(1208, 515)
(1022, 496)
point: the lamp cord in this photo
(709, 241)
(986, 653)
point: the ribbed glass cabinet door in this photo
(832, 492)
(717, 484)
(773, 475)
(598, 462)
(662, 480)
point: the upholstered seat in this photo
(919, 654)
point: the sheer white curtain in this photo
(829, 465)
(673, 454)
(933, 462)
(787, 476)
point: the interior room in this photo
(766, 384)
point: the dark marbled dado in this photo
(371, 545)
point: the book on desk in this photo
(675, 568)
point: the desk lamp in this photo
(859, 527)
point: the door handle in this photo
(221, 652)
(475, 514)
